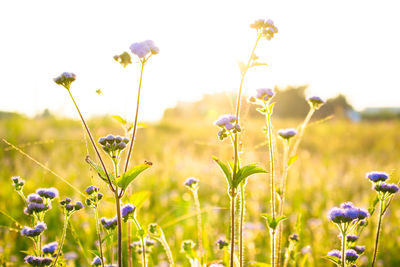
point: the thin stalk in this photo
(96, 216)
(301, 131)
(119, 218)
(242, 208)
(111, 242)
(378, 232)
(129, 241)
(282, 200)
(233, 195)
(167, 250)
(136, 118)
(92, 141)
(141, 236)
(199, 222)
(64, 233)
(272, 180)
(344, 240)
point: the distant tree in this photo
(338, 106)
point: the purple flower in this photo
(38, 261)
(264, 94)
(287, 133)
(222, 244)
(335, 253)
(351, 214)
(29, 232)
(91, 189)
(36, 207)
(142, 49)
(49, 193)
(50, 248)
(386, 188)
(225, 119)
(363, 213)
(359, 249)
(65, 79)
(347, 205)
(35, 198)
(351, 255)
(376, 176)
(128, 210)
(352, 238)
(191, 182)
(78, 205)
(336, 215)
(315, 101)
(96, 261)
(109, 224)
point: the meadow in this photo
(333, 159)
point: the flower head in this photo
(65, 79)
(96, 261)
(113, 145)
(351, 255)
(38, 261)
(18, 183)
(335, 253)
(49, 193)
(294, 237)
(315, 102)
(142, 49)
(286, 134)
(336, 215)
(222, 244)
(35, 198)
(352, 238)
(386, 188)
(32, 232)
(192, 183)
(266, 28)
(70, 207)
(109, 224)
(91, 189)
(50, 248)
(128, 211)
(376, 176)
(228, 124)
(359, 249)
(347, 213)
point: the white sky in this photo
(350, 47)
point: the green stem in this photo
(301, 132)
(141, 236)
(199, 222)
(282, 200)
(378, 232)
(241, 223)
(167, 250)
(344, 239)
(272, 178)
(232, 195)
(92, 140)
(64, 233)
(96, 215)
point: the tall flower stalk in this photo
(385, 193)
(157, 233)
(113, 146)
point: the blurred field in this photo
(333, 159)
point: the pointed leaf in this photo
(225, 170)
(100, 171)
(268, 217)
(271, 107)
(292, 160)
(119, 119)
(137, 199)
(246, 171)
(125, 179)
(273, 222)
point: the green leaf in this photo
(100, 171)
(225, 170)
(125, 179)
(271, 107)
(292, 160)
(372, 206)
(245, 172)
(119, 119)
(107, 237)
(138, 198)
(94, 252)
(273, 222)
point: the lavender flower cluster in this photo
(38, 261)
(65, 79)
(286, 134)
(70, 207)
(33, 232)
(142, 49)
(94, 196)
(109, 224)
(378, 180)
(35, 204)
(50, 248)
(347, 213)
(228, 124)
(128, 211)
(262, 97)
(111, 143)
(192, 183)
(18, 183)
(315, 102)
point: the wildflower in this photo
(264, 94)
(29, 232)
(335, 253)
(352, 238)
(359, 249)
(49, 193)
(35, 198)
(109, 224)
(36, 207)
(91, 189)
(336, 215)
(18, 183)
(286, 134)
(265, 27)
(96, 261)
(351, 255)
(222, 244)
(78, 205)
(386, 188)
(192, 183)
(228, 124)
(50, 248)
(294, 237)
(128, 211)
(347, 205)
(38, 261)
(225, 119)
(376, 176)
(113, 145)
(69, 207)
(315, 102)
(142, 49)
(65, 79)
(188, 246)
